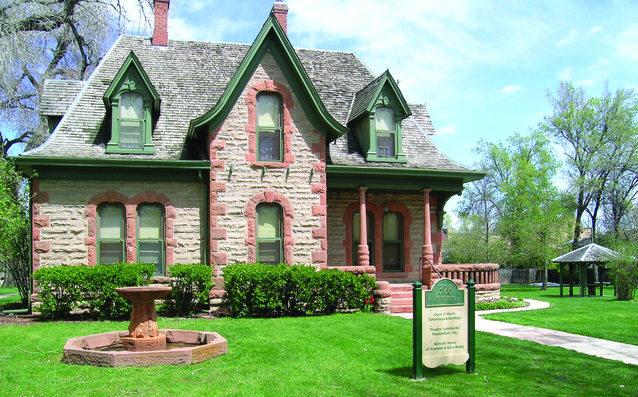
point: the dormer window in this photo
(132, 101)
(269, 120)
(385, 131)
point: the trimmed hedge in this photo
(191, 285)
(258, 290)
(65, 288)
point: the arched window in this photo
(268, 126)
(150, 235)
(386, 131)
(356, 218)
(269, 225)
(392, 242)
(111, 233)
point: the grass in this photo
(599, 317)
(339, 355)
(9, 302)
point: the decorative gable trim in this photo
(271, 38)
(382, 92)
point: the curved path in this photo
(582, 344)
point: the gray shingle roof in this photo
(363, 97)
(591, 253)
(58, 95)
(190, 77)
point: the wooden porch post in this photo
(363, 253)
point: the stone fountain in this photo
(144, 344)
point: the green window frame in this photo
(269, 231)
(111, 232)
(392, 251)
(356, 218)
(150, 235)
(385, 132)
(269, 127)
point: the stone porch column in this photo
(427, 251)
(363, 253)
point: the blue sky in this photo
(483, 68)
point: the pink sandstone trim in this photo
(250, 214)
(320, 233)
(288, 129)
(216, 258)
(130, 205)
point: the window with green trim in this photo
(356, 236)
(385, 127)
(392, 242)
(268, 126)
(111, 233)
(131, 120)
(269, 226)
(150, 235)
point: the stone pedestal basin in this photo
(143, 332)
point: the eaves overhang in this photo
(112, 169)
(339, 177)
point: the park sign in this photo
(443, 326)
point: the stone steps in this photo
(401, 295)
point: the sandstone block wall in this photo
(239, 182)
(64, 217)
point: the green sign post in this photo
(443, 326)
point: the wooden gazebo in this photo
(591, 254)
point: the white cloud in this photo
(595, 29)
(565, 74)
(447, 130)
(512, 88)
(627, 45)
(567, 40)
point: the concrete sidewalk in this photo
(582, 344)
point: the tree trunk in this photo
(544, 276)
(8, 279)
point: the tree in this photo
(596, 135)
(49, 39)
(525, 206)
(14, 229)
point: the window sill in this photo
(400, 158)
(392, 275)
(116, 149)
(260, 164)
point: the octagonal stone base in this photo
(104, 350)
(144, 344)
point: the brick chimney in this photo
(160, 31)
(280, 9)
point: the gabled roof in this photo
(364, 100)
(273, 38)
(131, 64)
(591, 253)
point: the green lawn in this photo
(599, 317)
(9, 301)
(340, 355)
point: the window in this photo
(150, 235)
(269, 134)
(131, 120)
(385, 131)
(392, 242)
(269, 216)
(356, 218)
(111, 234)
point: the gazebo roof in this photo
(591, 253)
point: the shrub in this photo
(191, 285)
(625, 273)
(260, 290)
(65, 288)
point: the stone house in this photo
(218, 153)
